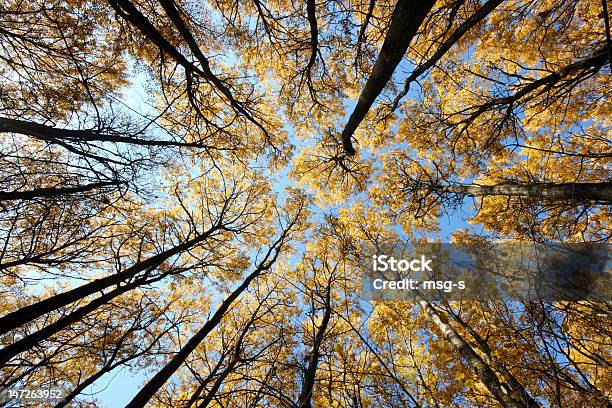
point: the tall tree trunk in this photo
(581, 192)
(52, 134)
(311, 9)
(32, 339)
(154, 384)
(28, 313)
(513, 382)
(235, 359)
(128, 11)
(55, 191)
(305, 397)
(408, 16)
(486, 375)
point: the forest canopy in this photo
(186, 186)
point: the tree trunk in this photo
(407, 18)
(305, 397)
(150, 388)
(581, 192)
(514, 384)
(55, 191)
(235, 359)
(486, 375)
(32, 339)
(51, 134)
(28, 313)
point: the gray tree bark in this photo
(485, 374)
(581, 192)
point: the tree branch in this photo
(406, 20)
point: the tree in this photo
(188, 189)
(407, 17)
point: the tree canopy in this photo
(186, 188)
